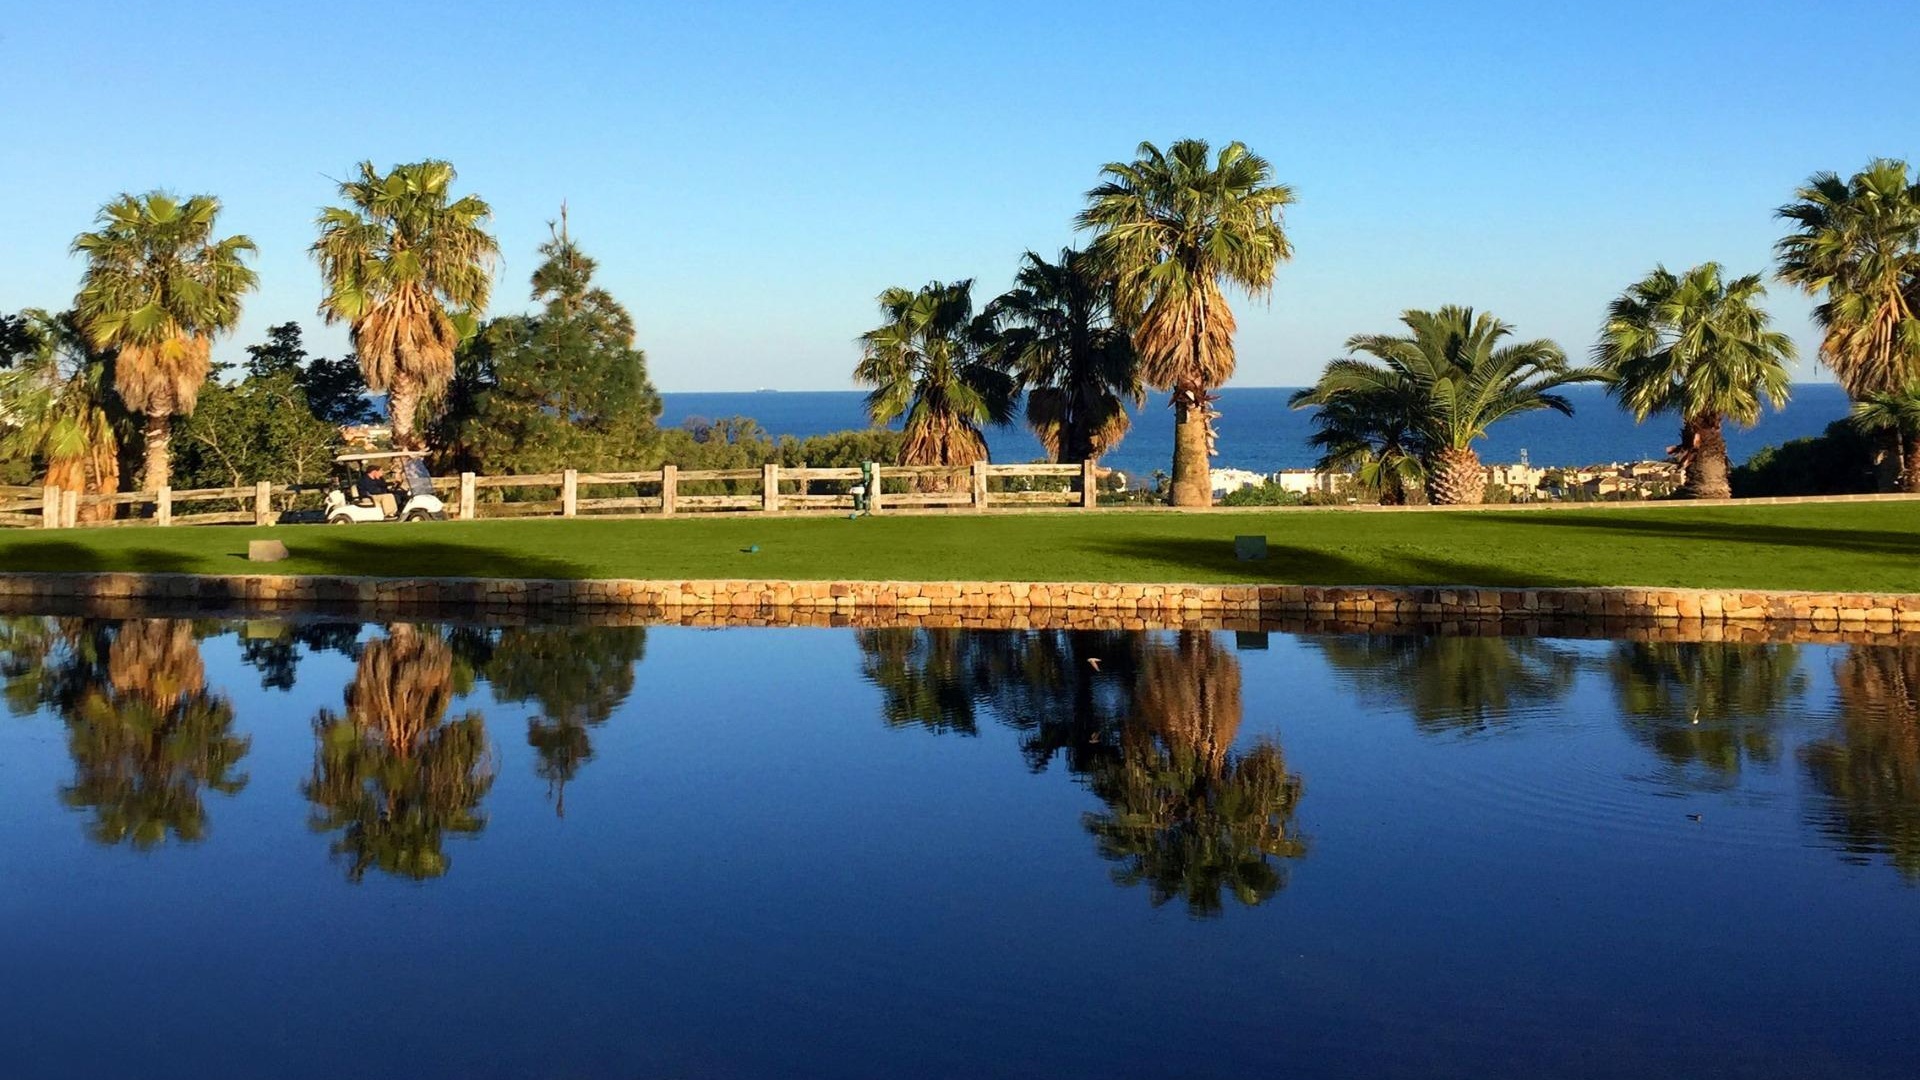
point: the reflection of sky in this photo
(755, 874)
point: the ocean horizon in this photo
(1259, 433)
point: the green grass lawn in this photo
(1846, 547)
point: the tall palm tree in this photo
(1856, 246)
(148, 739)
(59, 408)
(928, 362)
(1456, 379)
(409, 268)
(394, 776)
(1186, 815)
(1702, 347)
(1869, 768)
(157, 289)
(1058, 338)
(1173, 228)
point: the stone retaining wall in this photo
(996, 602)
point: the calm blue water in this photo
(410, 850)
(1258, 432)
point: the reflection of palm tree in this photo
(1706, 703)
(1185, 815)
(927, 678)
(1067, 691)
(1871, 768)
(147, 738)
(394, 774)
(1448, 683)
(577, 676)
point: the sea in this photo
(1259, 433)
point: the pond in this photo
(317, 848)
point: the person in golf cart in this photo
(370, 489)
(363, 492)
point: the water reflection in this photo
(1148, 721)
(1457, 684)
(575, 676)
(1186, 816)
(1870, 766)
(1705, 709)
(147, 739)
(393, 775)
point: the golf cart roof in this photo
(379, 456)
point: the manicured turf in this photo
(1846, 547)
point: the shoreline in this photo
(992, 603)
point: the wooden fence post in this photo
(769, 487)
(874, 489)
(1089, 486)
(669, 488)
(50, 507)
(466, 496)
(69, 509)
(163, 506)
(570, 493)
(979, 485)
(263, 502)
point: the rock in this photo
(266, 551)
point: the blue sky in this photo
(750, 175)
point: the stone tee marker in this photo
(266, 551)
(1249, 548)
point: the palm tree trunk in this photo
(1910, 462)
(159, 469)
(403, 407)
(1192, 477)
(1707, 467)
(1458, 478)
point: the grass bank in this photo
(1861, 547)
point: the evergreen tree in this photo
(563, 388)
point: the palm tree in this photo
(409, 268)
(929, 363)
(1699, 346)
(147, 737)
(63, 411)
(1173, 228)
(1868, 770)
(158, 288)
(1896, 411)
(1374, 435)
(393, 775)
(1186, 815)
(1455, 379)
(1856, 246)
(1058, 338)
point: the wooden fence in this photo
(665, 491)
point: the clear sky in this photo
(750, 175)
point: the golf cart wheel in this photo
(416, 515)
(340, 519)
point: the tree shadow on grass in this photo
(1742, 534)
(65, 556)
(331, 553)
(1215, 558)
(312, 553)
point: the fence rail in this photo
(666, 491)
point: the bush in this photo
(1266, 494)
(1837, 462)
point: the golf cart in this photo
(409, 494)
